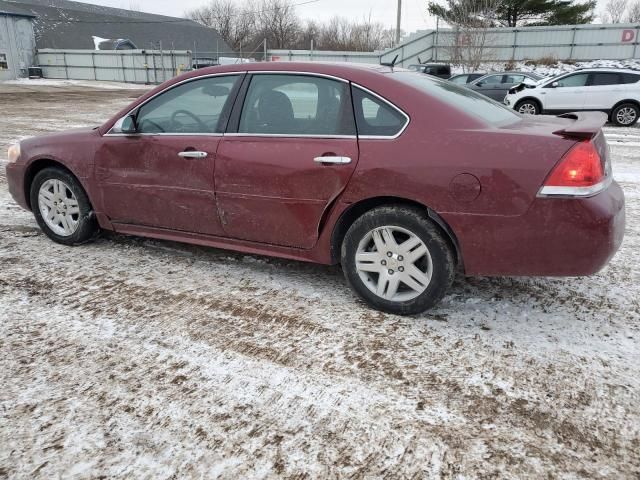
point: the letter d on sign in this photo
(628, 36)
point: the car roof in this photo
(326, 68)
(535, 76)
(606, 70)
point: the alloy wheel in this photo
(626, 115)
(527, 109)
(394, 263)
(59, 207)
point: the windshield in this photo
(461, 98)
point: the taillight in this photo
(581, 172)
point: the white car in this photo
(613, 91)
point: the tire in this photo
(58, 195)
(625, 115)
(528, 107)
(373, 275)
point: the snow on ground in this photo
(550, 70)
(53, 82)
(130, 357)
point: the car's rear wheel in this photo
(528, 107)
(625, 115)
(397, 260)
(62, 208)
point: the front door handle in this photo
(333, 159)
(192, 154)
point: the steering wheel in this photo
(203, 126)
(160, 129)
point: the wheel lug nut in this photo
(401, 269)
(389, 254)
(390, 272)
(383, 262)
(400, 258)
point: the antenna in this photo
(391, 64)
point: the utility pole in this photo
(399, 19)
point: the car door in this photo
(162, 176)
(290, 150)
(565, 94)
(603, 90)
(490, 85)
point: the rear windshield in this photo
(461, 98)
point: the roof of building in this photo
(67, 24)
(10, 8)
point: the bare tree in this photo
(245, 24)
(633, 12)
(471, 22)
(614, 11)
(236, 24)
(278, 22)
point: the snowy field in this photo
(134, 358)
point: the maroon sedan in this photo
(400, 177)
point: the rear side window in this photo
(492, 79)
(513, 79)
(605, 78)
(460, 80)
(630, 77)
(283, 104)
(375, 117)
(461, 98)
(577, 80)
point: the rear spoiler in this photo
(586, 125)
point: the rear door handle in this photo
(331, 159)
(192, 154)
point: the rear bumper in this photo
(556, 237)
(15, 181)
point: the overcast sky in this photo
(414, 16)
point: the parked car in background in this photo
(440, 70)
(327, 163)
(465, 78)
(613, 91)
(497, 85)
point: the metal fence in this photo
(132, 66)
(569, 42)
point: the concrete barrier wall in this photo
(567, 42)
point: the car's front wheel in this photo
(397, 260)
(62, 208)
(625, 115)
(528, 107)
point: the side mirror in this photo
(555, 85)
(479, 84)
(125, 125)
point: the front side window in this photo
(577, 80)
(297, 105)
(198, 106)
(3, 62)
(491, 80)
(599, 79)
(375, 117)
